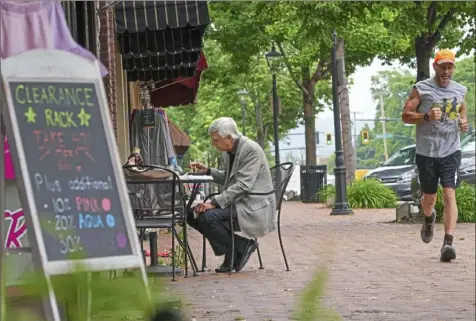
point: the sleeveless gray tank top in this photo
(439, 138)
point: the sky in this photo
(360, 102)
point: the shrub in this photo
(366, 193)
(465, 200)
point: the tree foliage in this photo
(242, 32)
(302, 32)
(217, 97)
(419, 27)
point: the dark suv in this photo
(467, 172)
(397, 172)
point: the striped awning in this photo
(139, 16)
(160, 39)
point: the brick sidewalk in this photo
(377, 271)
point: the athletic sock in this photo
(448, 239)
(429, 219)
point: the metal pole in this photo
(355, 127)
(243, 118)
(341, 206)
(275, 121)
(384, 129)
(2, 222)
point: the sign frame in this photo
(44, 65)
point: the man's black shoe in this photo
(225, 266)
(448, 253)
(427, 227)
(243, 257)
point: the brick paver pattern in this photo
(378, 271)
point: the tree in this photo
(344, 103)
(465, 74)
(394, 86)
(218, 97)
(302, 32)
(421, 26)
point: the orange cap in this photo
(445, 56)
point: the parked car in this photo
(467, 172)
(397, 172)
(467, 169)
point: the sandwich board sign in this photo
(69, 177)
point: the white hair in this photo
(225, 126)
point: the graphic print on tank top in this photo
(449, 108)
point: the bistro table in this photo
(153, 222)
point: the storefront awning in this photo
(178, 91)
(152, 15)
(160, 40)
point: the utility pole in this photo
(354, 121)
(384, 129)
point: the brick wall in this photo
(106, 47)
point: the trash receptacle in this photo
(313, 179)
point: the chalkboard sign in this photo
(69, 179)
(70, 170)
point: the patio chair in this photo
(280, 174)
(168, 210)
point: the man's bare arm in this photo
(463, 112)
(410, 115)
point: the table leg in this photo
(154, 268)
(193, 195)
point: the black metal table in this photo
(155, 268)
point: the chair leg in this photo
(204, 255)
(173, 255)
(185, 241)
(261, 267)
(281, 242)
(142, 233)
(112, 274)
(193, 263)
(232, 261)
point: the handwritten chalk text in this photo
(52, 95)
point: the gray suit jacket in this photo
(257, 214)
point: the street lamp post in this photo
(242, 95)
(273, 58)
(341, 205)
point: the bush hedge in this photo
(465, 200)
(365, 193)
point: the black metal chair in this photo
(281, 174)
(170, 210)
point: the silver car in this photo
(397, 172)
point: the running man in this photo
(436, 105)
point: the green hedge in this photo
(365, 193)
(465, 200)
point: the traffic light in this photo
(329, 139)
(365, 137)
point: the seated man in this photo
(246, 171)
